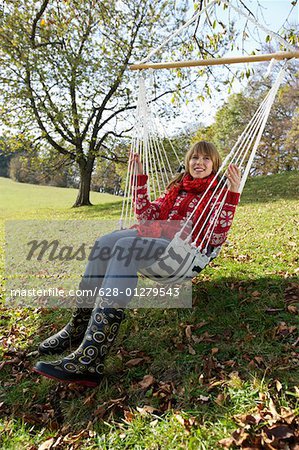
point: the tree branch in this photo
(117, 82)
(32, 36)
(70, 138)
(104, 137)
(80, 137)
(89, 120)
(36, 19)
(41, 125)
(74, 106)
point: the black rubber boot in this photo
(73, 332)
(85, 365)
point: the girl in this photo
(114, 262)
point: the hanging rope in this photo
(252, 135)
(187, 251)
(149, 145)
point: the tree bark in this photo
(86, 168)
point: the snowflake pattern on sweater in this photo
(147, 211)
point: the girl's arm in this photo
(144, 208)
(225, 219)
(226, 216)
(234, 178)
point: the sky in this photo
(272, 13)
(276, 11)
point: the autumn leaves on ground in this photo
(223, 374)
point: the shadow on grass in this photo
(236, 326)
(107, 208)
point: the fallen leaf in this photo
(89, 400)
(57, 443)
(272, 409)
(226, 442)
(284, 329)
(247, 419)
(191, 350)
(259, 359)
(72, 438)
(292, 309)
(220, 399)
(188, 332)
(274, 310)
(200, 324)
(129, 416)
(47, 444)
(279, 431)
(203, 398)
(180, 419)
(278, 385)
(239, 436)
(256, 294)
(146, 409)
(205, 337)
(187, 423)
(230, 363)
(153, 423)
(134, 362)
(287, 414)
(146, 382)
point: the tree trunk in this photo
(85, 180)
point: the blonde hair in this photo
(199, 148)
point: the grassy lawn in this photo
(223, 374)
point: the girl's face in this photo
(200, 165)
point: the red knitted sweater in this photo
(182, 208)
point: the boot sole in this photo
(82, 382)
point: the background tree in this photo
(5, 158)
(64, 72)
(279, 147)
(106, 178)
(56, 171)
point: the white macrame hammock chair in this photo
(182, 258)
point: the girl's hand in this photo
(134, 158)
(234, 178)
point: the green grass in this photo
(25, 197)
(241, 357)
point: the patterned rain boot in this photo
(74, 331)
(70, 335)
(85, 365)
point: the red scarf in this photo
(187, 184)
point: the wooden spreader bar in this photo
(217, 61)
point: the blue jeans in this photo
(115, 260)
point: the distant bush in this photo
(4, 165)
(26, 170)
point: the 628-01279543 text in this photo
(141, 292)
